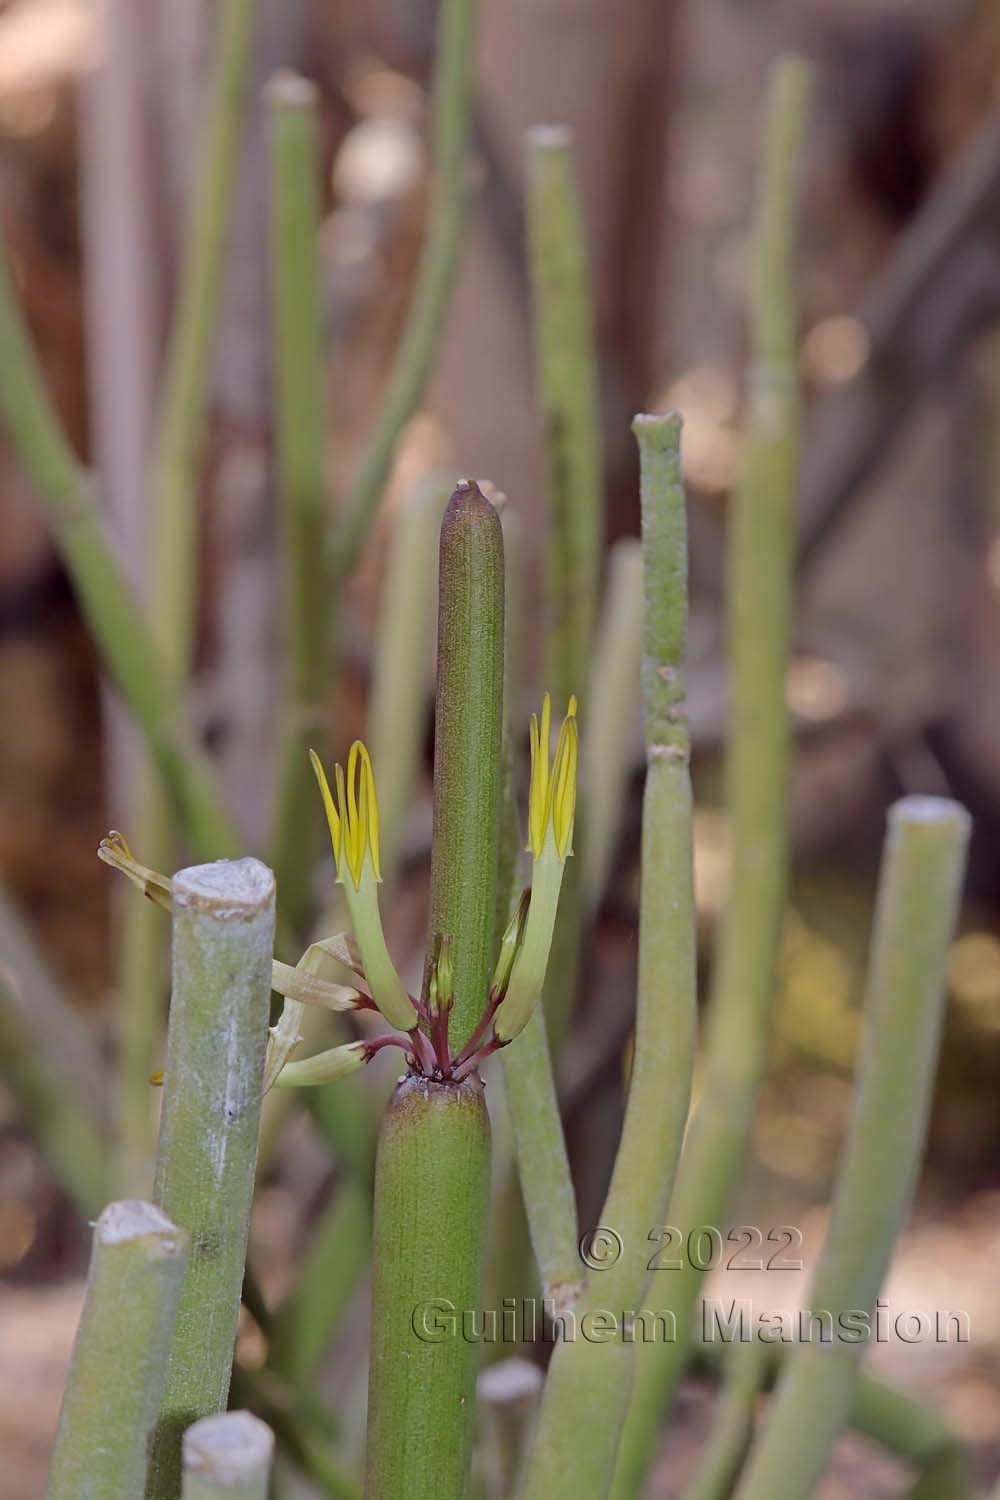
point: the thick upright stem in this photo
(227, 1457)
(467, 748)
(223, 936)
(450, 125)
(761, 535)
(429, 1245)
(120, 1355)
(295, 214)
(586, 1390)
(432, 1176)
(919, 889)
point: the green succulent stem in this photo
(300, 394)
(227, 1457)
(919, 889)
(120, 1355)
(223, 937)
(468, 739)
(759, 570)
(586, 1390)
(429, 1246)
(433, 1165)
(451, 117)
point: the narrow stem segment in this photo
(919, 890)
(586, 1391)
(450, 125)
(542, 1163)
(729, 1440)
(295, 215)
(761, 537)
(429, 1245)
(467, 749)
(227, 1457)
(566, 366)
(223, 936)
(614, 700)
(120, 1355)
(400, 686)
(173, 564)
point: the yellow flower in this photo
(354, 824)
(552, 795)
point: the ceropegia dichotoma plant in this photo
(499, 961)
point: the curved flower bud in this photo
(353, 822)
(324, 1067)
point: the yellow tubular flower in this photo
(353, 821)
(551, 810)
(552, 795)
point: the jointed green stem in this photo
(586, 1390)
(761, 536)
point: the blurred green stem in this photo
(761, 537)
(223, 936)
(613, 698)
(919, 889)
(397, 711)
(120, 1355)
(451, 106)
(586, 1389)
(732, 1430)
(52, 1068)
(566, 366)
(173, 563)
(295, 216)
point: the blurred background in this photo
(895, 682)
